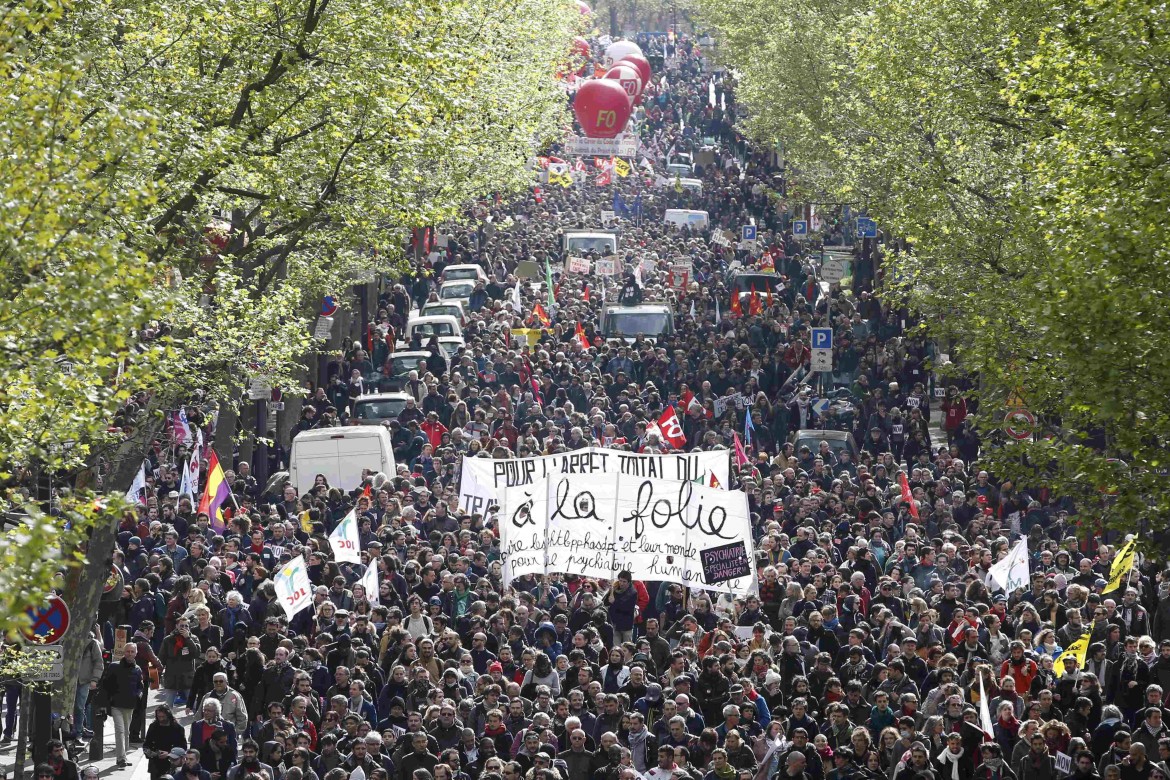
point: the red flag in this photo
(581, 337)
(585, 295)
(604, 180)
(769, 297)
(539, 313)
(535, 389)
(579, 165)
(754, 302)
(687, 399)
(736, 308)
(907, 496)
(741, 458)
(537, 194)
(671, 429)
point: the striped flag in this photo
(215, 494)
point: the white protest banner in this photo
(605, 266)
(293, 589)
(622, 146)
(1063, 763)
(370, 582)
(481, 479)
(608, 217)
(1012, 571)
(344, 540)
(577, 265)
(658, 530)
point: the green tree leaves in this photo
(1020, 149)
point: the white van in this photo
(578, 242)
(340, 454)
(695, 185)
(437, 325)
(687, 218)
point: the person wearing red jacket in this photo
(1022, 669)
(434, 429)
(954, 408)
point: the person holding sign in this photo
(622, 603)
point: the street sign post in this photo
(833, 270)
(48, 623)
(1019, 424)
(822, 338)
(800, 229)
(48, 661)
(748, 233)
(866, 228)
(822, 360)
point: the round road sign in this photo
(49, 623)
(1019, 424)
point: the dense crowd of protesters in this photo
(874, 639)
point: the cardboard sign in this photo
(577, 265)
(725, 562)
(605, 267)
(527, 269)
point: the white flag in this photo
(293, 588)
(344, 540)
(1012, 571)
(692, 309)
(370, 582)
(723, 101)
(516, 305)
(984, 712)
(711, 92)
(134, 494)
(189, 485)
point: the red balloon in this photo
(640, 63)
(629, 79)
(602, 107)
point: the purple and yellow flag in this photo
(215, 494)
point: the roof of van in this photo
(384, 397)
(344, 432)
(590, 234)
(433, 318)
(686, 211)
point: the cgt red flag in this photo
(754, 303)
(671, 429)
(907, 496)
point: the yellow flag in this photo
(563, 179)
(621, 167)
(1077, 650)
(1122, 564)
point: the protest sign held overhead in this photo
(597, 525)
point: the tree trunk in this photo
(84, 583)
(226, 426)
(248, 425)
(614, 28)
